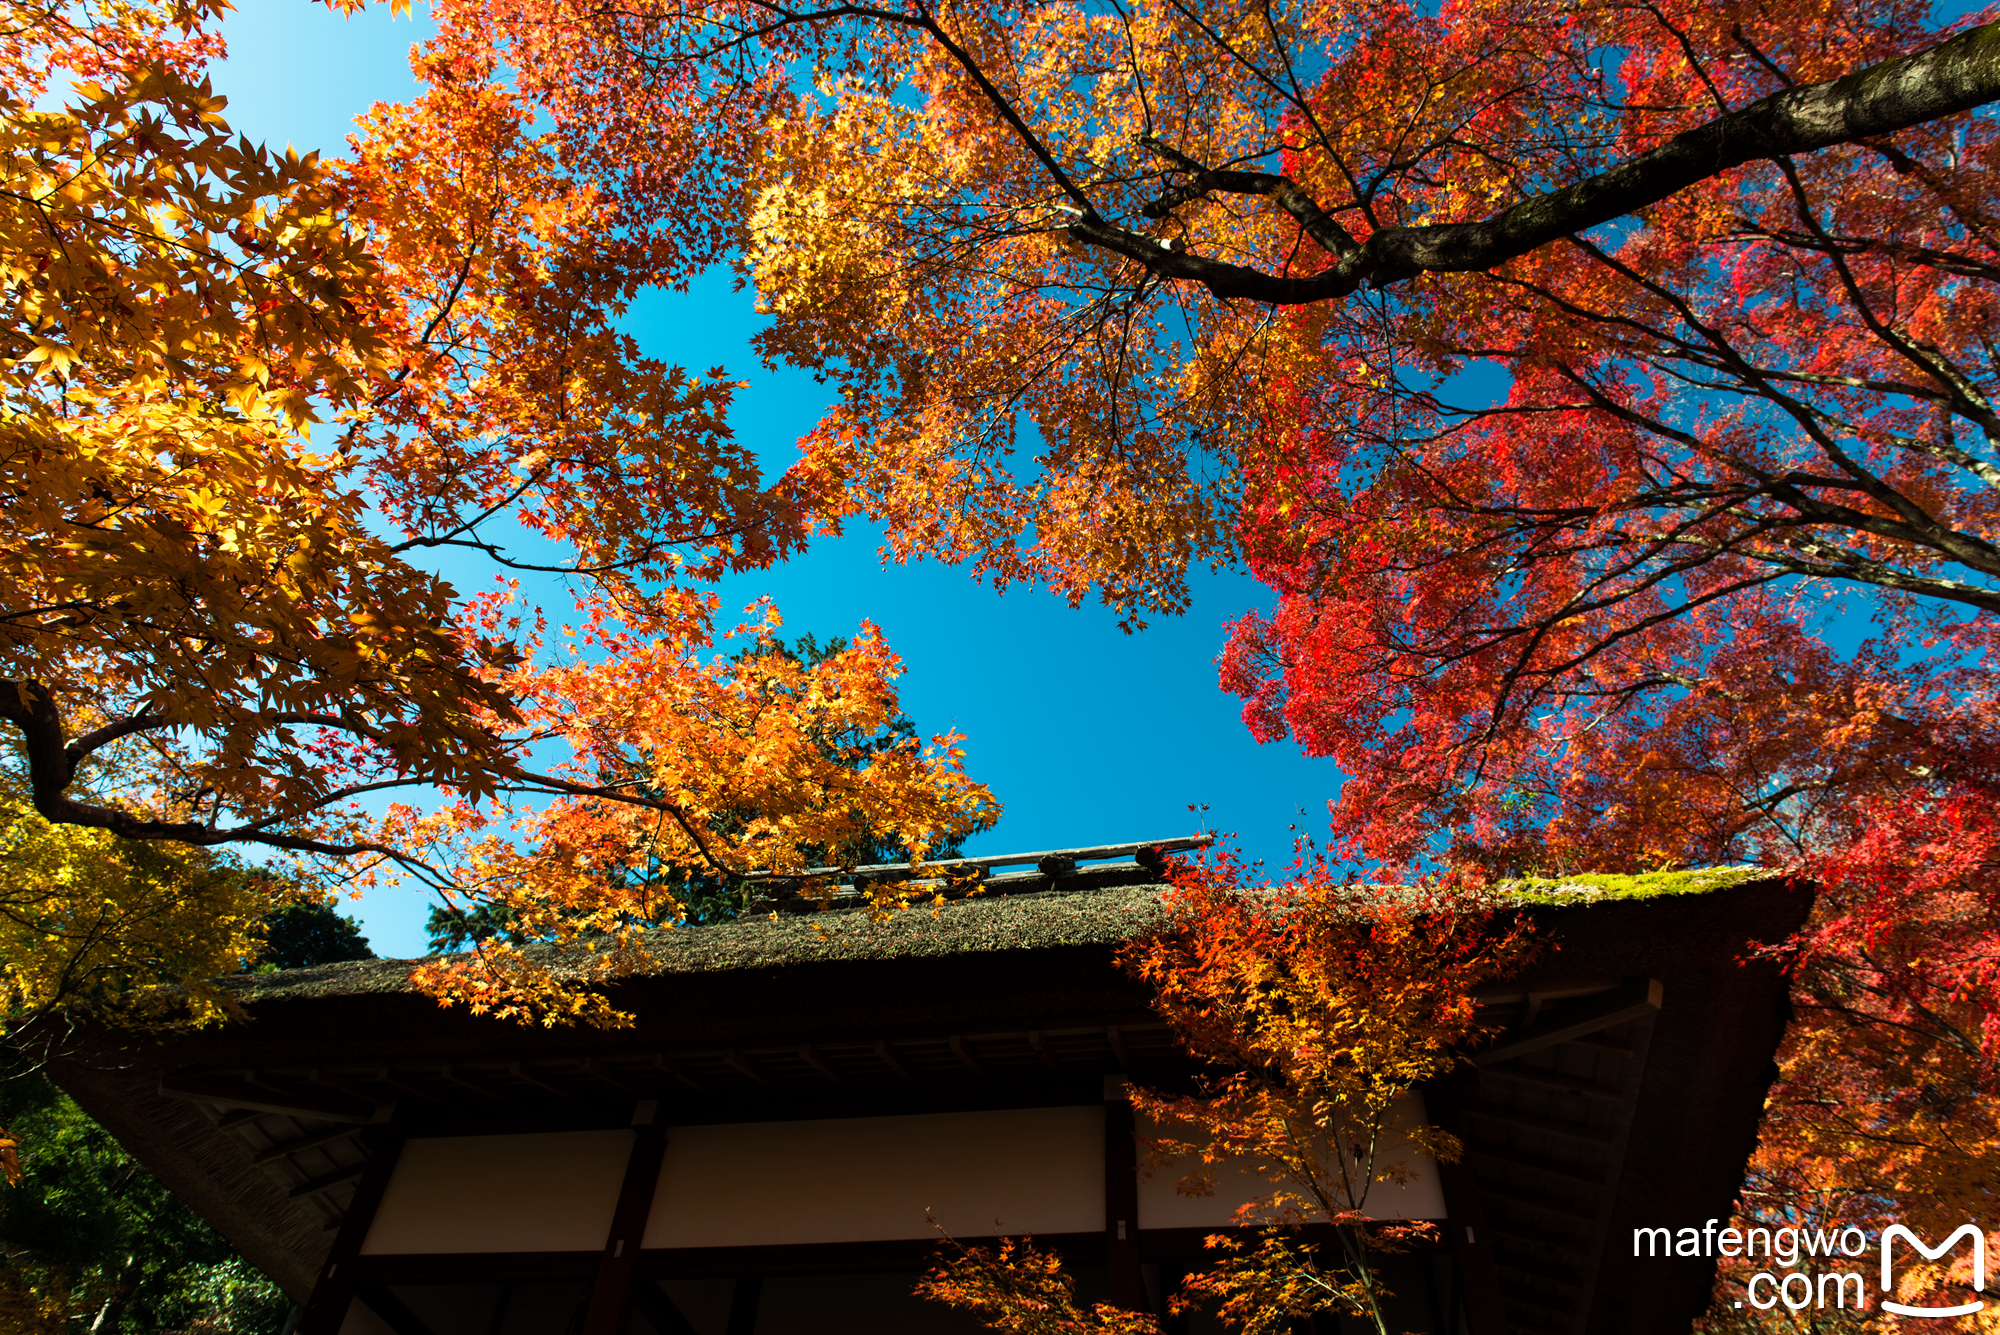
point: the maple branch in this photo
(534, 477)
(1757, 54)
(143, 721)
(1015, 121)
(1950, 78)
(1834, 561)
(1908, 522)
(1280, 190)
(924, 21)
(52, 766)
(1965, 266)
(28, 705)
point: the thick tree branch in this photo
(52, 766)
(1280, 190)
(1950, 78)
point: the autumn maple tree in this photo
(1605, 391)
(1217, 265)
(116, 930)
(1020, 1289)
(1311, 1008)
(1120, 233)
(1314, 1006)
(1105, 290)
(248, 397)
(1885, 1105)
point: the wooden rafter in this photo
(286, 1149)
(317, 1186)
(1629, 1001)
(265, 1097)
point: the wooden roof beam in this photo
(318, 1185)
(229, 1092)
(1515, 994)
(1629, 1001)
(303, 1143)
(1147, 853)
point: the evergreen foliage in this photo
(300, 935)
(91, 1240)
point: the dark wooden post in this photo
(1476, 1291)
(1124, 1286)
(334, 1289)
(658, 1309)
(743, 1305)
(611, 1298)
(395, 1313)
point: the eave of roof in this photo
(1091, 906)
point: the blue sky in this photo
(1086, 734)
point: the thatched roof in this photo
(1028, 911)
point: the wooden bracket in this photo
(612, 1296)
(1630, 1000)
(326, 1309)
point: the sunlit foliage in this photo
(240, 612)
(97, 927)
(1314, 1007)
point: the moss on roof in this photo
(1598, 886)
(1081, 917)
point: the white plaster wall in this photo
(1031, 1170)
(548, 1192)
(1162, 1206)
